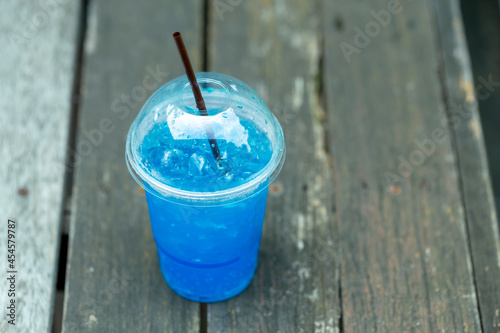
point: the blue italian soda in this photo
(206, 211)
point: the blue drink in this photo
(206, 215)
(208, 254)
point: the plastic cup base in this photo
(219, 298)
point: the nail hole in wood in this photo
(338, 23)
(23, 191)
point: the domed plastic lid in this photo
(233, 151)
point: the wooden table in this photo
(382, 219)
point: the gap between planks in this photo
(69, 168)
(204, 60)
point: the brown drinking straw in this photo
(200, 103)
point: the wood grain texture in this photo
(275, 47)
(36, 75)
(406, 265)
(477, 192)
(114, 283)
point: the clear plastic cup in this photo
(206, 213)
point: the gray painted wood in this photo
(275, 47)
(36, 76)
(114, 283)
(477, 192)
(406, 264)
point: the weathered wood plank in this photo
(275, 47)
(406, 265)
(481, 23)
(477, 193)
(36, 75)
(114, 283)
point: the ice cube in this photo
(228, 177)
(196, 163)
(166, 157)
